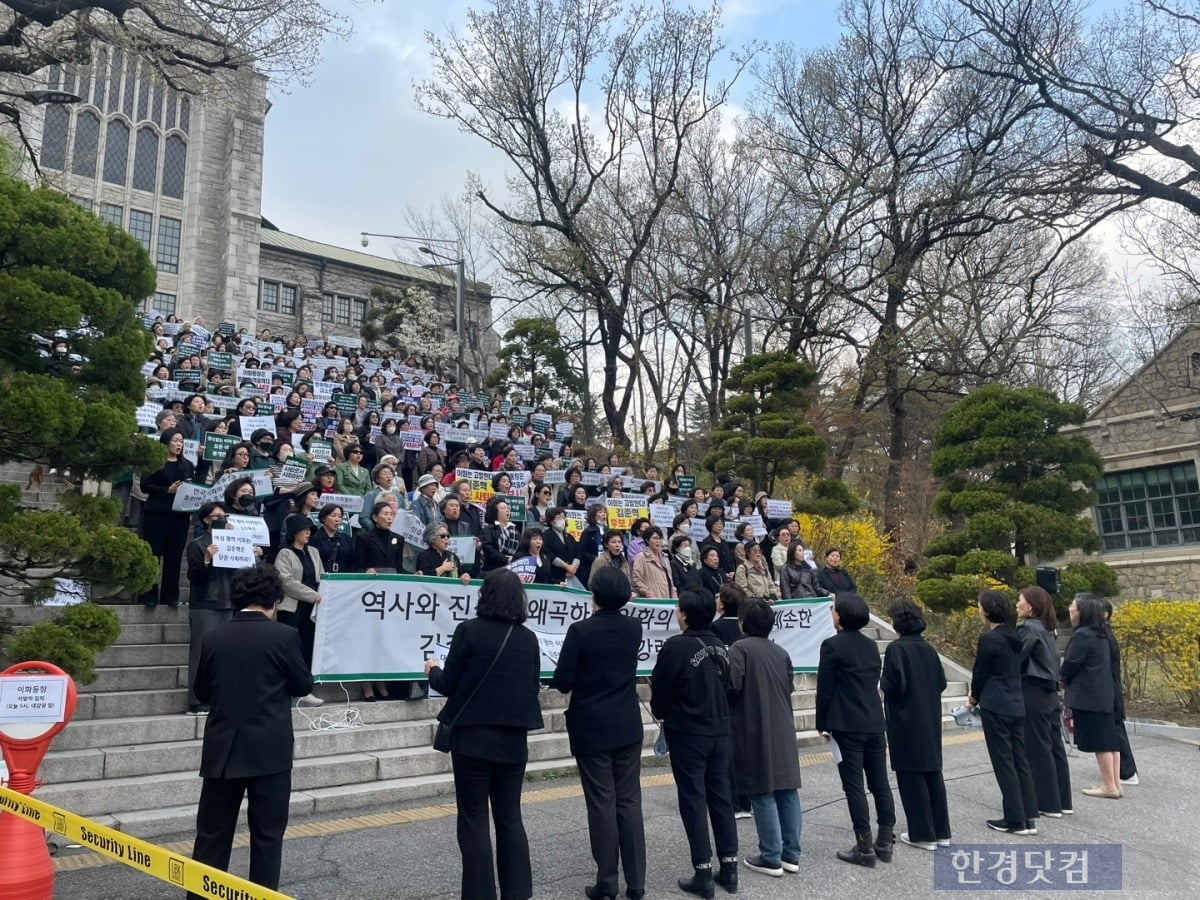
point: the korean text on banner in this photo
(622, 512)
(384, 627)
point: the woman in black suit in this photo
(996, 689)
(912, 685)
(849, 711)
(560, 547)
(1043, 709)
(1087, 673)
(597, 667)
(489, 746)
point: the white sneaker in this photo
(943, 842)
(743, 814)
(1068, 812)
(923, 845)
(1133, 779)
(310, 700)
(789, 866)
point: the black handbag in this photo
(443, 736)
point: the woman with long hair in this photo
(1043, 710)
(1087, 674)
(491, 679)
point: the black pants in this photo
(302, 621)
(923, 795)
(1128, 763)
(612, 790)
(700, 764)
(865, 754)
(267, 816)
(201, 622)
(1045, 750)
(1005, 738)
(476, 782)
(167, 535)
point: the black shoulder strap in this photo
(488, 672)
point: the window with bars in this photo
(174, 169)
(114, 86)
(287, 299)
(185, 114)
(1158, 507)
(83, 202)
(101, 88)
(130, 92)
(359, 312)
(164, 303)
(145, 161)
(327, 307)
(87, 143)
(54, 138)
(341, 310)
(116, 152)
(167, 251)
(141, 227)
(111, 213)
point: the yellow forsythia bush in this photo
(1160, 644)
(864, 548)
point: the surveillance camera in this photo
(365, 241)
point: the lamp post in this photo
(39, 97)
(459, 263)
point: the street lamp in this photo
(39, 97)
(459, 263)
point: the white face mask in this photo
(560, 524)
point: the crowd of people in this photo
(506, 485)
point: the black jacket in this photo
(725, 553)
(1039, 655)
(377, 548)
(249, 670)
(689, 683)
(493, 558)
(996, 676)
(560, 546)
(1087, 671)
(912, 683)
(337, 552)
(848, 685)
(156, 485)
(509, 697)
(210, 586)
(836, 581)
(683, 576)
(798, 582)
(710, 580)
(589, 550)
(597, 667)
(1114, 659)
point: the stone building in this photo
(1147, 509)
(183, 174)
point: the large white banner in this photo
(384, 627)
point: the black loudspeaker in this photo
(1047, 578)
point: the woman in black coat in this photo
(1043, 710)
(1087, 673)
(591, 542)
(165, 530)
(491, 717)
(378, 548)
(710, 576)
(912, 683)
(833, 579)
(716, 530)
(561, 549)
(597, 667)
(996, 689)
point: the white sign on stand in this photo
(34, 698)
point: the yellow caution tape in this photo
(175, 869)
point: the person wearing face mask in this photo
(209, 604)
(684, 574)
(263, 454)
(165, 530)
(239, 498)
(561, 548)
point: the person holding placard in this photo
(531, 547)
(239, 497)
(164, 529)
(209, 603)
(436, 560)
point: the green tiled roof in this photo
(291, 243)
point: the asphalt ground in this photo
(410, 851)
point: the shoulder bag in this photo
(444, 736)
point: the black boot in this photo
(862, 853)
(885, 841)
(728, 876)
(701, 883)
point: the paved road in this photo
(410, 851)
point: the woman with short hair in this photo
(491, 717)
(597, 667)
(912, 683)
(754, 577)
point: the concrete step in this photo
(127, 613)
(121, 656)
(123, 704)
(132, 679)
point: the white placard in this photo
(662, 515)
(291, 473)
(235, 550)
(410, 528)
(779, 509)
(251, 424)
(33, 698)
(350, 503)
(253, 526)
(191, 451)
(146, 414)
(464, 548)
(189, 497)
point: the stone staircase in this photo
(129, 758)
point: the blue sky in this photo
(350, 151)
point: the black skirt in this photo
(1095, 732)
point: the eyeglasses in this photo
(441, 536)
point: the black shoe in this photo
(701, 883)
(758, 864)
(862, 853)
(1002, 825)
(727, 877)
(885, 841)
(595, 892)
(371, 699)
(635, 893)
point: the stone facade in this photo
(1153, 421)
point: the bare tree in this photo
(593, 105)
